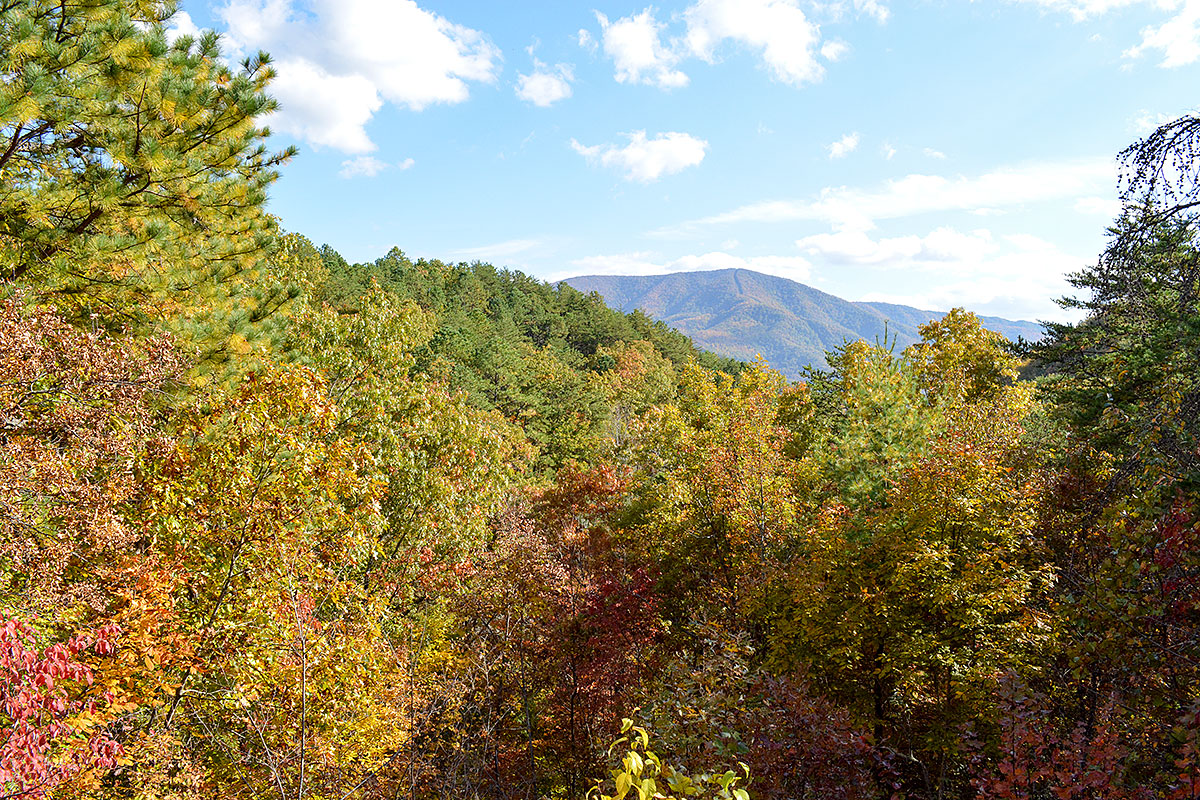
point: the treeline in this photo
(276, 525)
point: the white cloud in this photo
(637, 51)
(1107, 207)
(637, 263)
(340, 60)
(251, 22)
(787, 40)
(364, 166)
(1014, 276)
(845, 208)
(838, 10)
(586, 40)
(1146, 121)
(1178, 38)
(1085, 9)
(181, 24)
(938, 154)
(844, 146)
(647, 160)
(997, 295)
(793, 267)
(544, 86)
(873, 8)
(646, 263)
(888, 151)
(416, 57)
(834, 49)
(856, 248)
(325, 110)
(369, 166)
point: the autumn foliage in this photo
(273, 525)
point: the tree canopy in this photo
(276, 525)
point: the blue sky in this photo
(928, 153)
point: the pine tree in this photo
(1125, 377)
(133, 174)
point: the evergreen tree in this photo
(132, 170)
(1126, 377)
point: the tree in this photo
(445, 466)
(51, 711)
(77, 418)
(958, 360)
(872, 423)
(714, 503)
(915, 581)
(1161, 174)
(266, 512)
(1122, 519)
(80, 418)
(1123, 516)
(132, 170)
(1127, 377)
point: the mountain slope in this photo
(739, 313)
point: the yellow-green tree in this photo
(715, 500)
(132, 168)
(918, 582)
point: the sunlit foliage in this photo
(274, 525)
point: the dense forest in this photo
(274, 525)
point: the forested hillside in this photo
(511, 343)
(273, 525)
(744, 314)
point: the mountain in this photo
(740, 313)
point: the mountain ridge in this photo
(742, 313)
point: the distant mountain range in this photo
(739, 313)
